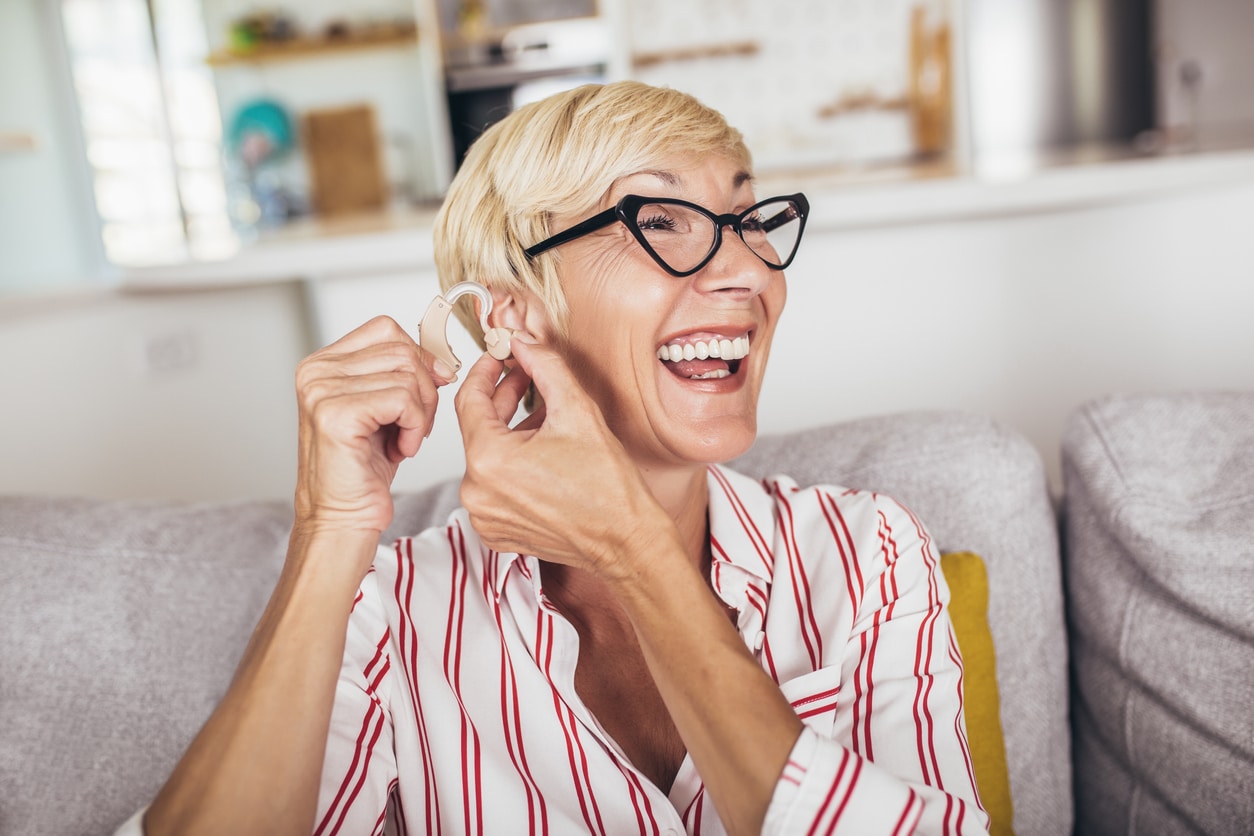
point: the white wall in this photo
(1021, 318)
(180, 396)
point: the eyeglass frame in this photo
(628, 206)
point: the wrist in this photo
(644, 554)
(332, 551)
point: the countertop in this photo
(841, 198)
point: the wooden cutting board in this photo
(345, 164)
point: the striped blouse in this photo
(456, 710)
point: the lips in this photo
(704, 356)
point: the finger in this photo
(532, 422)
(362, 414)
(407, 443)
(554, 380)
(377, 330)
(510, 392)
(474, 402)
(323, 387)
(335, 384)
(395, 355)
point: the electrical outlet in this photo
(171, 353)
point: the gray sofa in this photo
(1124, 660)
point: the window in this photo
(151, 128)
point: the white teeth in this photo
(716, 374)
(724, 348)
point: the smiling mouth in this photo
(712, 358)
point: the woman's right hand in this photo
(366, 402)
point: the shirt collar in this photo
(505, 563)
(742, 523)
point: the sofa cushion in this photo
(978, 487)
(122, 625)
(1160, 574)
(968, 610)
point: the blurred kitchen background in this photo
(1017, 204)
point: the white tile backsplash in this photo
(810, 54)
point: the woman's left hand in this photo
(560, 485)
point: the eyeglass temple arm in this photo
(582, 228)
(798, 209)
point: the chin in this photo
(717, 442)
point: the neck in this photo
(684, 494)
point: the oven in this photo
(487, 81)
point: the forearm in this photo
(737, 726)
(255, 766)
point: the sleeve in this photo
(896, 760)
(359, 768)
(134, 826)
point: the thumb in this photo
(564, 398)
(473, 402)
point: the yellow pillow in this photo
(968, 610)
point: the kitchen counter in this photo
(377, 242)
(399, 240)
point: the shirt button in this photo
(759, 640)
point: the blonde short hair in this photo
(558, 158)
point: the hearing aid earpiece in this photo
(498, 342)
(432, 331)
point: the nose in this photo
(735, 268)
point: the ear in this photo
(519, 310)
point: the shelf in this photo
(298, 48)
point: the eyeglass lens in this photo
(683, 237)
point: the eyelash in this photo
(656, 221)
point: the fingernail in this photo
(523, 336)
(441, 368)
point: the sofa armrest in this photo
(1159, 525)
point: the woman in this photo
(614, 635)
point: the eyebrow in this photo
(672, 179)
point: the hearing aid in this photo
(433, 330)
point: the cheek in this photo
(773, 299)
(592, 286)
(776, 294)
(608, 290)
